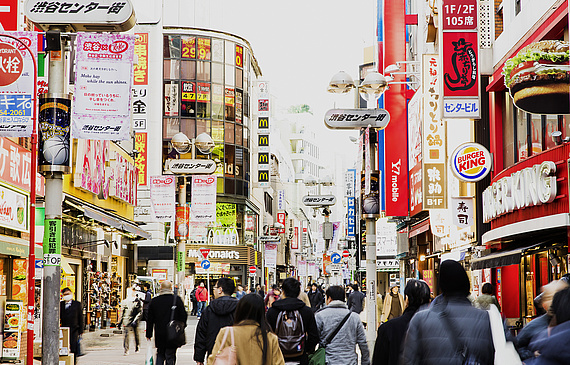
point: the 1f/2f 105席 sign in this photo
(357, 118)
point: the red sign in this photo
(281, 219)
(15, 167)
(460, 64)
(204, 48)
(11, 64)
(188, 47)
(345, 253)
(141, 159)
(295, 241)
(182, 224)
(252, 269)
(239, 56)
(459, 14)
(9, 15)
(140, 73)
(205, 252)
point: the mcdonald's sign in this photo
(263, 123)
(263, 158)
(263, 142)
(263, 176)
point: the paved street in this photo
(101, 350)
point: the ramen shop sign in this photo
(529, 187)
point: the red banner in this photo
(141, 159)
(204, 48)
(15, 167)
(188, 47)
(239, 56)
(460, 59)
(281, 219)
(182, 223)
(140, 73)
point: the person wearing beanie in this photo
(439, 334)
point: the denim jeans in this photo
(135, 330)
(201, 306)
(165, 356)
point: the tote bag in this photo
(505, 352)
(227, 355)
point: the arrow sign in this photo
(205, 264)
(205, 252)
(335, 258)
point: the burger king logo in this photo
(470, 162)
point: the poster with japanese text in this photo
(462, 212)
(103, 81)
(141, 145)
(139, 97)
(15, 167)
(270, 255)
(17, 83)
(203, 207)
(163, 198)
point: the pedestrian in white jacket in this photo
(342, 348)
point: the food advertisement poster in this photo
(13, 322)
(13, 209)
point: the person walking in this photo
(486, 298)
(71, 315)
(194, 301)
(356, 299)
(219, 314)
(254, 342)
(315, 297)
(146, 300)
(273, 295)
(341, 349)
(393, 304)
(451, 331)
(201, 298)
(240, 293)
(387, 349)
(159, 314)
(131, 315)
(291, 309)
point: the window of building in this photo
(217, 50)
(268, 203)
(203, 71)
(171, 69)
(218, 73)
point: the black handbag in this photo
(175, 330)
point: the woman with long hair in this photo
(254, 342)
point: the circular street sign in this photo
(345, 253)
(335, 258)
(470, 162)
(205, 264)
(252, 269)
(12, 64)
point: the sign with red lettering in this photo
(15, 167)
(470, 162)
(281, 219)
(459, 14)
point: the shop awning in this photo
(114, 222)
(498, 259)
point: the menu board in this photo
(12, 329)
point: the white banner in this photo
(270, 255)
(163, 198)
(312, 270)
(462, 212)
(103, 80)
(203, 208)
(17, 83)
(302, 267)
(320, 247)
(386, 244)
(280, 199)
(439, 222)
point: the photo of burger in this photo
(538, 78)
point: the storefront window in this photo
(565, 125)
(188, 70)
(217, 131)
(203, 71)
(239, 134)
(217, 50)
(188, 127)
(536, 133)
(239, 162)
(239, 103)
(229, 104)
(230, 75)
(551, 126)
(217, 102)
(218, 73)
(229, 131)
(230, 160)
(171, 46)
(171, 127)
(230, 53)
(521, 123)
(239, 78)
(202, 126)
(171, 69)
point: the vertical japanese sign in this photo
(350, 182)
(351, 217)
(263, 134)
(270, 255)
(52, 242)
(103, 79)
(281, 199)
(460, 45)
(462, 212)
(386, 244)
(415, 155)
(239, 56)
(140, 83)
(163, 198)
(17, 83)
(295, 240)
(141, 145)
(204, 48)
(203, 198)
(434, 174)
(15, 167)
(281, 216)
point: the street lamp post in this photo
(182, 144)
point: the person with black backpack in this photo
(294, 324)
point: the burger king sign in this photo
(470, 162)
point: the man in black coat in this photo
(159, 313)
(219, 314)
(146, 300)
(355, 299)
(316, 297)
(291, 289)
(391, 334)
(71, 315)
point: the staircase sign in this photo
(205, 252)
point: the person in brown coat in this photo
(255, 343)
(393, 304)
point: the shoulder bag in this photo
(175, 329)
(319, 356)
(505, 352)
(228, 354)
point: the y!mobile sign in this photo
(16, 83)
(103, 78)
(203, 198)
(162, 198)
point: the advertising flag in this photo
(163, 198)
(203, 207)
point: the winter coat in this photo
(528, 333)
(428, 340)
(219, 314)
(248, 349)
(388, 305)
(341, 350)
(159, 313)
(305, 298)
(391, 334)
(553, 348)
(317, 299)
(202, 294)
(483, 301)
(72, 317)
(355, 301)
(132, 311)
(146, 303)
(291, 304)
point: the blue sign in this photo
(39, 264)
(15, 114)
(205, 264)
(351, 217)
(335, 258)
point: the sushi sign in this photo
(470, 162)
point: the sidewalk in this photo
(103, 347)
